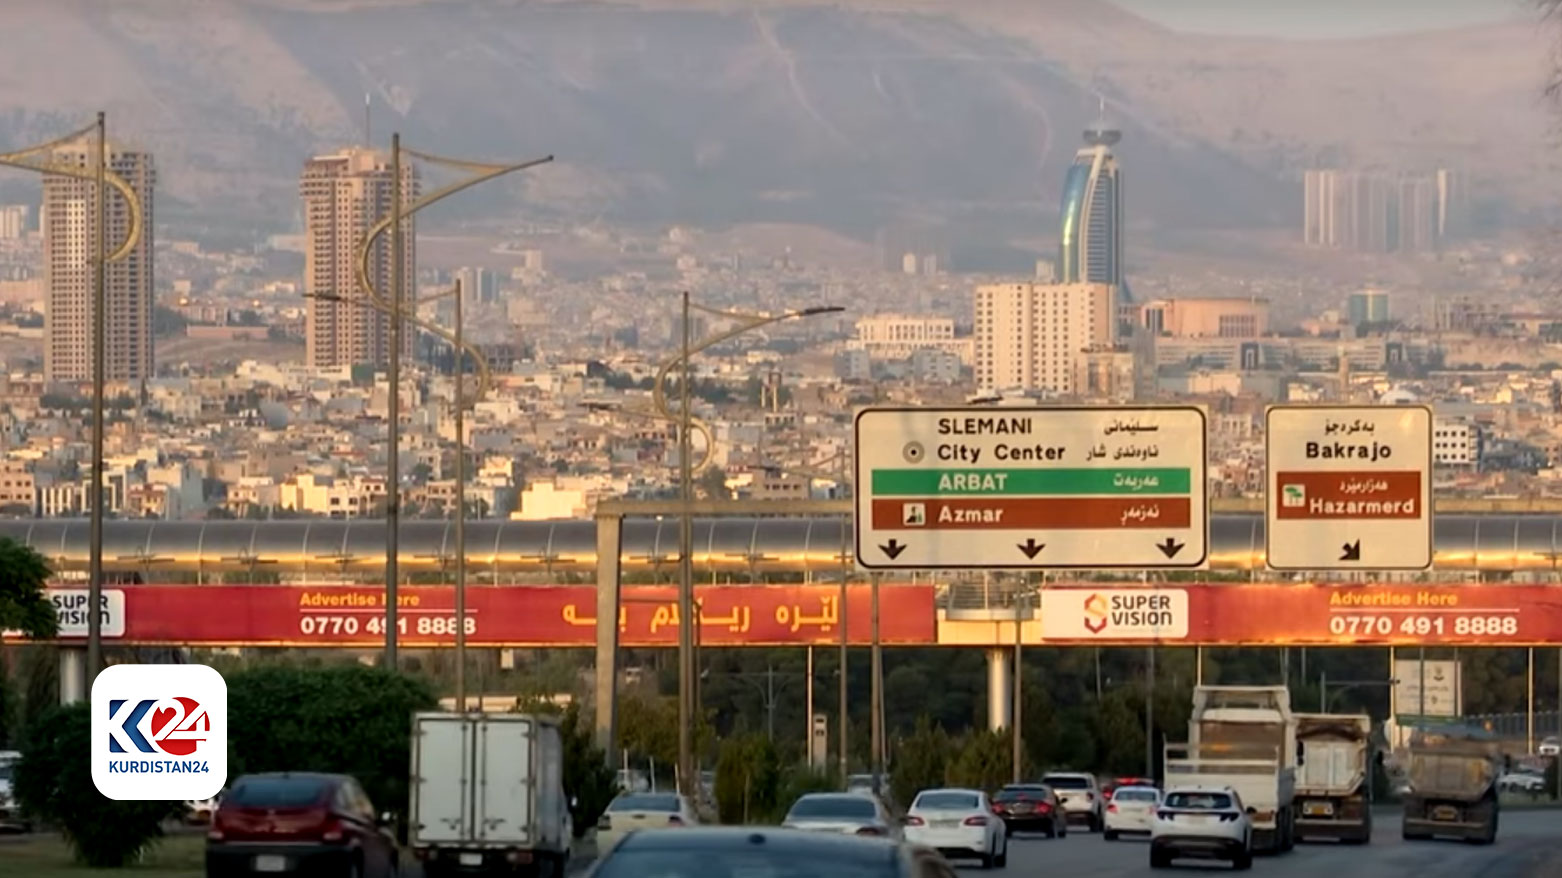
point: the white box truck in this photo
(488, 795)
(1243, 737)
(1334, 777)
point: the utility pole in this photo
(460, 385)
(686, 620)
(1149, 715)
(844, 753)
(393, 410)
(99, 388)
(808, 712)
(770, 701)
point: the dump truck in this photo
(1243, 737)
(1452, 776)
(1334, 777)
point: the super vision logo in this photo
(172, 727)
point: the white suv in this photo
(1205, 823)
(1080, 796)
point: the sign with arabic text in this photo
(1031, 487)
(1349, 487)
(512, 616)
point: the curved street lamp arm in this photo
(482, 173)
(18, 155)
(133, 204)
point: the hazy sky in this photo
(1323, 18)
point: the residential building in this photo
(1367, 306)
(344, 196)
(1035, 336)
(70, 250)
(1456, 443)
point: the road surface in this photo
(1529, 845)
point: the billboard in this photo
(511, 616)
(1264, 614)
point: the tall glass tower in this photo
(1090, 248)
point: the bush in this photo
(349, 719)
(921, 761)
(54, 784)
(587, 777)
(984, 762)
(748, 779)
(798, 782)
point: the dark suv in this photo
(299, 824)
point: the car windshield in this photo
(645, 802)
(1022, 794)
(1199, 801)
(795, 861)
(6, 771)
(278, 792)
(947, 801)
(834, 806)
(1065, 782)
(1134, 795)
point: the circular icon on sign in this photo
(912, 452)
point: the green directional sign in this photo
(1008, 482)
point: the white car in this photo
(1204, 823)
(1131, 811)
(1080, 796)
(844, 813)
(643, 811)
(1549, 747)
(958, 823)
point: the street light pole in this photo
(393, 410)
(99, 388)
(460, 398)
(686, 623)
(876, 759)
(1014, 710)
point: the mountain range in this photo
(851, 115)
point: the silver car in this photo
(843, 813)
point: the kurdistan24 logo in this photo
(159, 732)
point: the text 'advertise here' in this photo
(1031, 487)
(1349, 487)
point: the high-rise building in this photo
(1368, 306)
(1373, 213)
(344, 195)
(70, 248)
(1090, 245)
(479, 285)
(13, 221)
(1035, 336)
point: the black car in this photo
(300, 824)
(735, 851)
(1031, 807)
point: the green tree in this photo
(748, 779)
(921, 760)
(23, 605)
(588, 781)
(339, 718)
(54, 783)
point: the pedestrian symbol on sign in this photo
(1293, 495)
(913, 514)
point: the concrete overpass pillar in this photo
(610, 543)
(73, 674)
(999, 688)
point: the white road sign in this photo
(1349, 488)
(1444, 695)
(1011, 487)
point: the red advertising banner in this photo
(332, 615)
(1304, 615)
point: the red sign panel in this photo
(1324, 615)
(1370, 495)
(1037, 513)
(269, 615)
